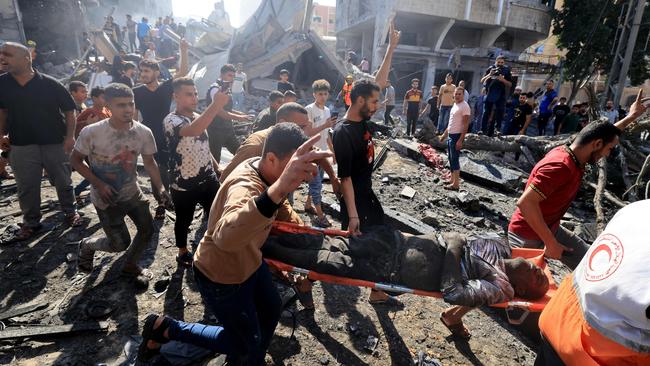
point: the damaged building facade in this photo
(441, 36)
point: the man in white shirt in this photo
(239, 87)
(458, 124)
(321, 120)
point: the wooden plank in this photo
(50, 330)
(24, 310)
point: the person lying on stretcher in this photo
(469, 272)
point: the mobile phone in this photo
(335, 115)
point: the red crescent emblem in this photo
(604, 257)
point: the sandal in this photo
(73, 220)
(26, 232)
(457, 330)
(149, 333)
(160, 213)
(185, 260)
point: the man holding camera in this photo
(497, 81)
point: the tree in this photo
(586, 30)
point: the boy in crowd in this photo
(345, 92)
(79, 92)
(284, 84)
(458, 125)
(266, 118)
(411, 107)
(321, 120)
(239, 87)
(112, 147)
(191, 165)
(222, 132)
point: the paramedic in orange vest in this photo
(600, 315)
(345, 92)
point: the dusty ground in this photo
(336, 333)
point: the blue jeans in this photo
(454, 155)
(443, 118)
(316, 188)
(249, 313)
(237, 101)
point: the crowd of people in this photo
(45, 125)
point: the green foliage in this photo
(586, 30)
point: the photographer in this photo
(497, 81)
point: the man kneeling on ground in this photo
(233, 280)
(469, 272)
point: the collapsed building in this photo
(440, 37)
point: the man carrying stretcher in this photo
(469, 272)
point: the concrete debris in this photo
(490, 174)
(408, 192)
(22, 310)
(467, 201)
(371, 344)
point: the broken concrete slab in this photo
(484, 173)
(50, 330)
(489, 174)
(18, 311)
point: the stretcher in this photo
(526, 307)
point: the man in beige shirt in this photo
(229, 271)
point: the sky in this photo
(239, 10)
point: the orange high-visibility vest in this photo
(347, 90)
(599, 316)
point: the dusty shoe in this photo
(85, 257)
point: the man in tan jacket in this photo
(229, 271)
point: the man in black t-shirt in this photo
(355, 155)
(560, 111)
(153, 100)
(284, 84)
(522, 116)
(37, 123)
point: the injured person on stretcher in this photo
(468, 271)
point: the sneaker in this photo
(85, 257)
